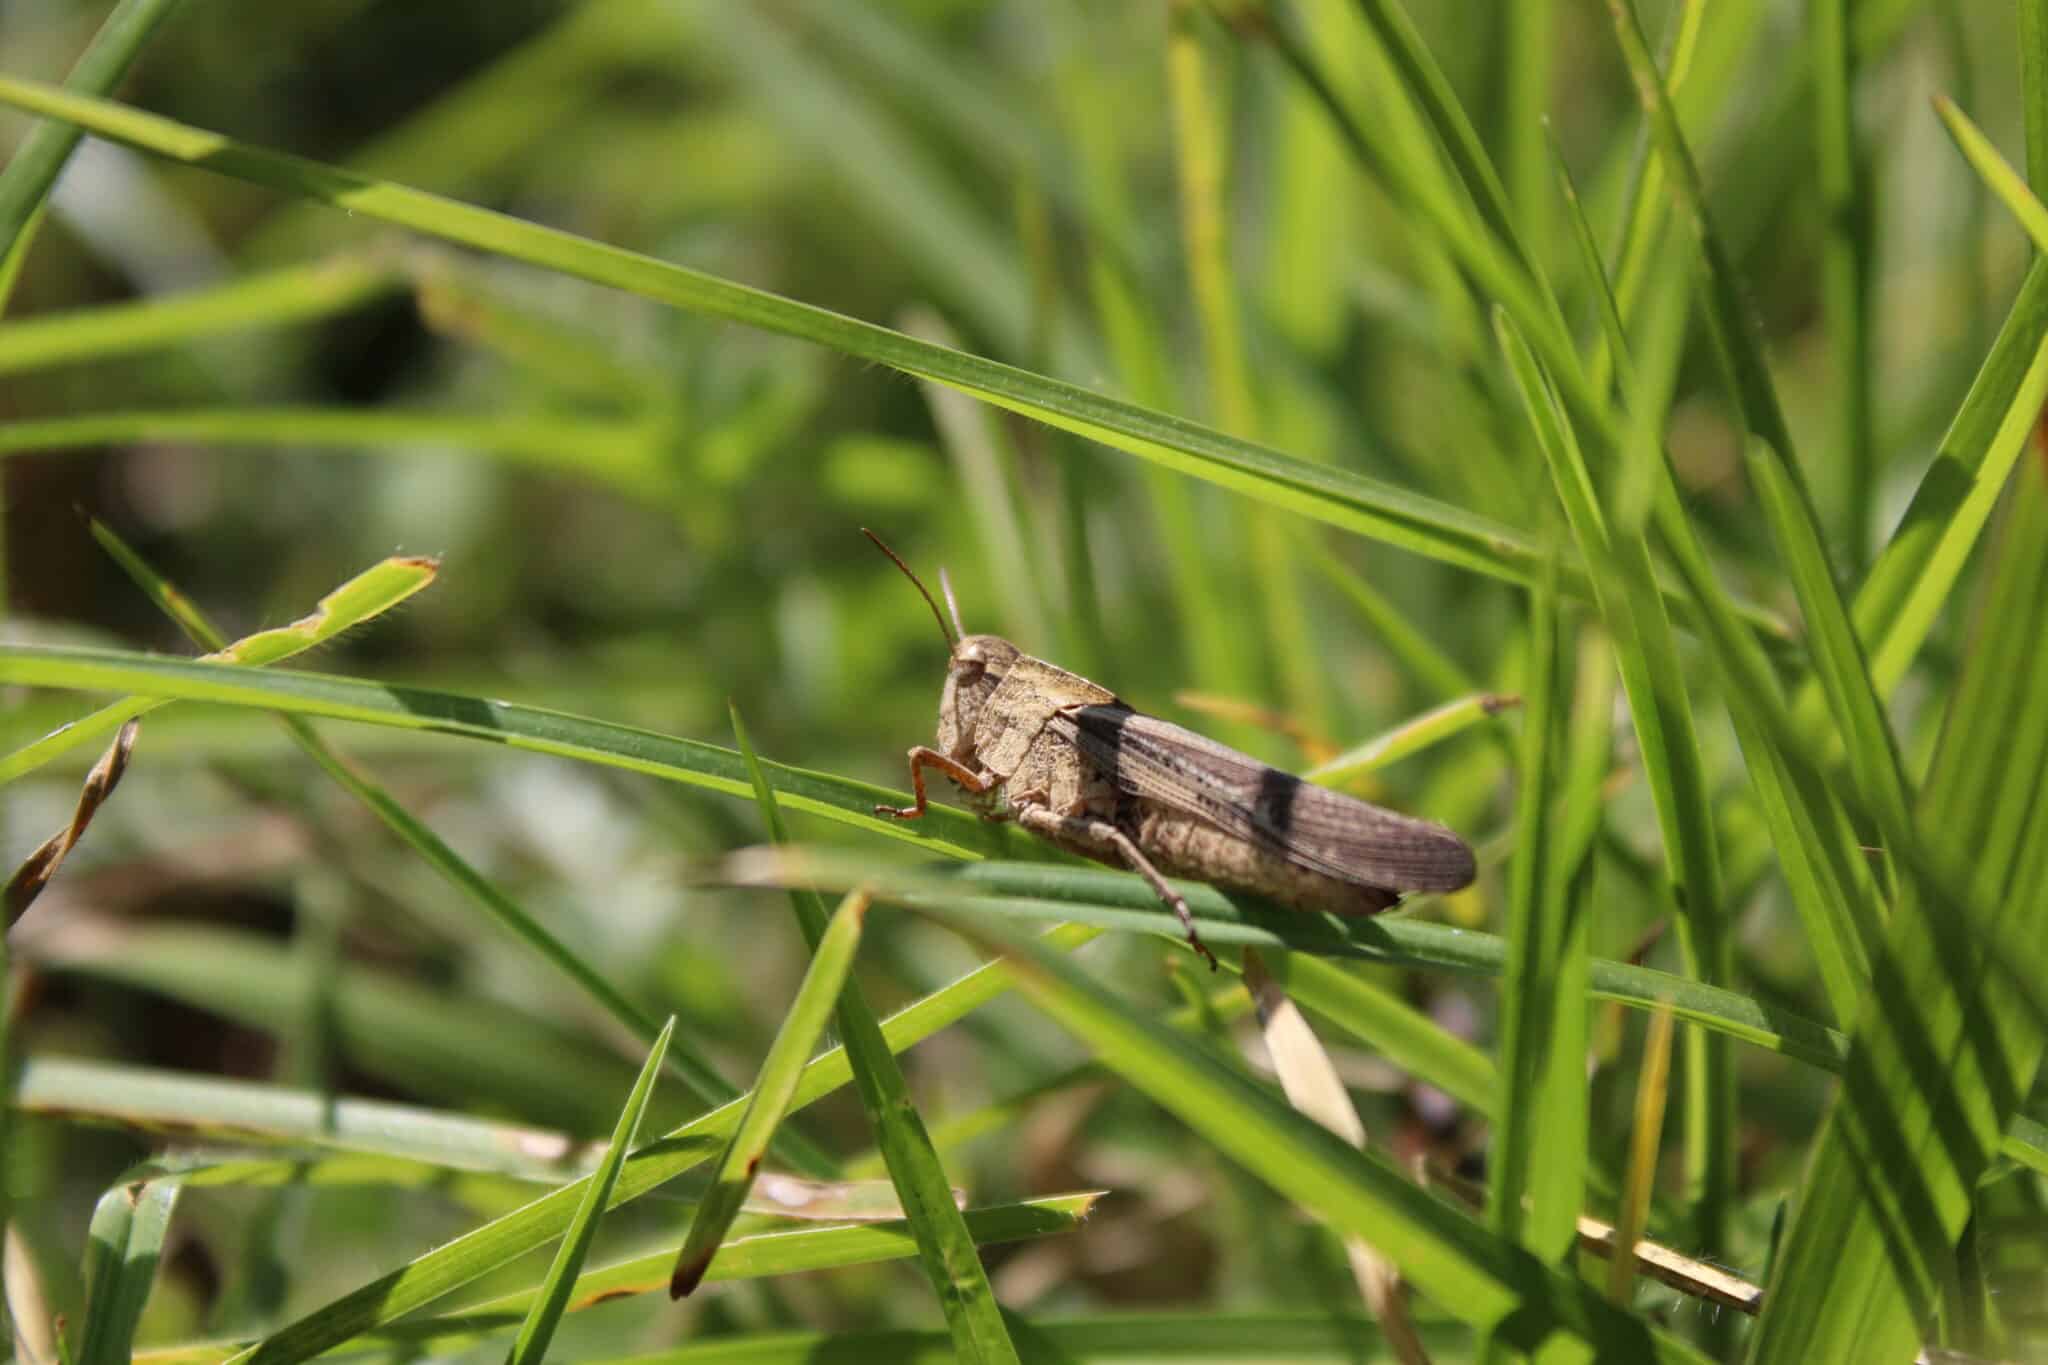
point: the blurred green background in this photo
(642, 515)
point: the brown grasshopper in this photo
(1060, 755)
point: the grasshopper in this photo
(1028, 741)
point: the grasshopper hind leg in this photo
(1101, 837)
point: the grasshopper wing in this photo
(1312, 826)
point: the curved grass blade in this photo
(530, 1347)
(124, 1243)
(944, 829)
(1485, 1282)
(1423, 525)
(815, 999)
(945, 1245)
(699, 1075)
(370, 593)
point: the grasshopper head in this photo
(978, 664)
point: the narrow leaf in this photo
(530, 1346)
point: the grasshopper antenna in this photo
(952, 606)
(952, 636)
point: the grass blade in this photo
(1309, 1079)
(1428, 527)
(518, 727)
(816, 998)
(124, 1244)
(699, 1075)
(945, 1244)
(275, 298)
(1837, 653)
(1480, 1279)
(33, 169)
(1644, 1138)
(530, 1347)
(1949, 1042)
(369, 594)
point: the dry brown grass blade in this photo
(1312, 1086)
(35, 872)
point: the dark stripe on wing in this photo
(1311, 826)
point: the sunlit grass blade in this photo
(519, 727)
(1410, 737)
(297, 293)
(33, 168)
(123, 1246)
(946, 1246)
(703, 1079)
(1996, 172)
(537, 1329)
(815, 1000)
(1950, 1041)
(1645, 1137)
(1478, 1278)
(1423, 525)
(367, 595)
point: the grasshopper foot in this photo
(1187, 919)
(899, 812)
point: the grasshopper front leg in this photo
(1107, 838)
(922, 757)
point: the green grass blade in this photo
(1646, 652)
(1533, 917)
(1950, 1042)
(276, 298)
(520, 727)
(482, 1249)
(1201, 163)
(1437, 671)
(1423, 525)
(702, 1078)
(1910, 583)
(367, 595)
(1844, 266)
(733, 1179)
(759, 1256)
(2034, 88)
(620, 454)
(1996, 172)
(122, 1249)
(1837, 653)
(1409, 737)
(1480, 1279)
(945, 1244)
(33, 169)
(530, 1346)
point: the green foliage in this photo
(1548, 419)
